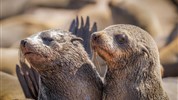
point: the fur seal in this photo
(9, 58)
(66, 72)
(133, 63)
(169, 59)
(10, 87)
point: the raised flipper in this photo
(83, 30)
(28, 79)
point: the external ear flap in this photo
(76, 39)
(145, 50)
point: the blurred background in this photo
(22, 18)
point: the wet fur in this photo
(133, 68)
(66, 73)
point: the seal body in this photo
(133, 63)
(169, 59)
(66, 73)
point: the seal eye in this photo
(121, 38)
(47, 40)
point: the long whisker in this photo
(96, 62)
(21, 56)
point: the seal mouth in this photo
(97, 47)
(101, 48)
(98, 44)
(27, 53)
(104, 53)
(30, 53)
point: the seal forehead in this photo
(117, 29)
(54, 32)
(133, 31)
(35, 37)
(58, 32)
(122, 28)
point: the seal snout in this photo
(23, 42)
(95, 40)
(25, 47)
(95, 36)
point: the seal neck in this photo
(68, 86)
(134, 81)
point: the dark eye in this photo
(47, 40)
(121, 38)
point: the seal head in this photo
(120, 42)
(52, 47)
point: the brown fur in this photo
(64, 67)
(133, 63)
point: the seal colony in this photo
(133, 63)
(65, 69)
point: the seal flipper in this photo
(22, 81)
(83, 30)
(28, 79)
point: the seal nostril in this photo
(23, 42)
(95, 37)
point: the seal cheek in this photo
(34, 57)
